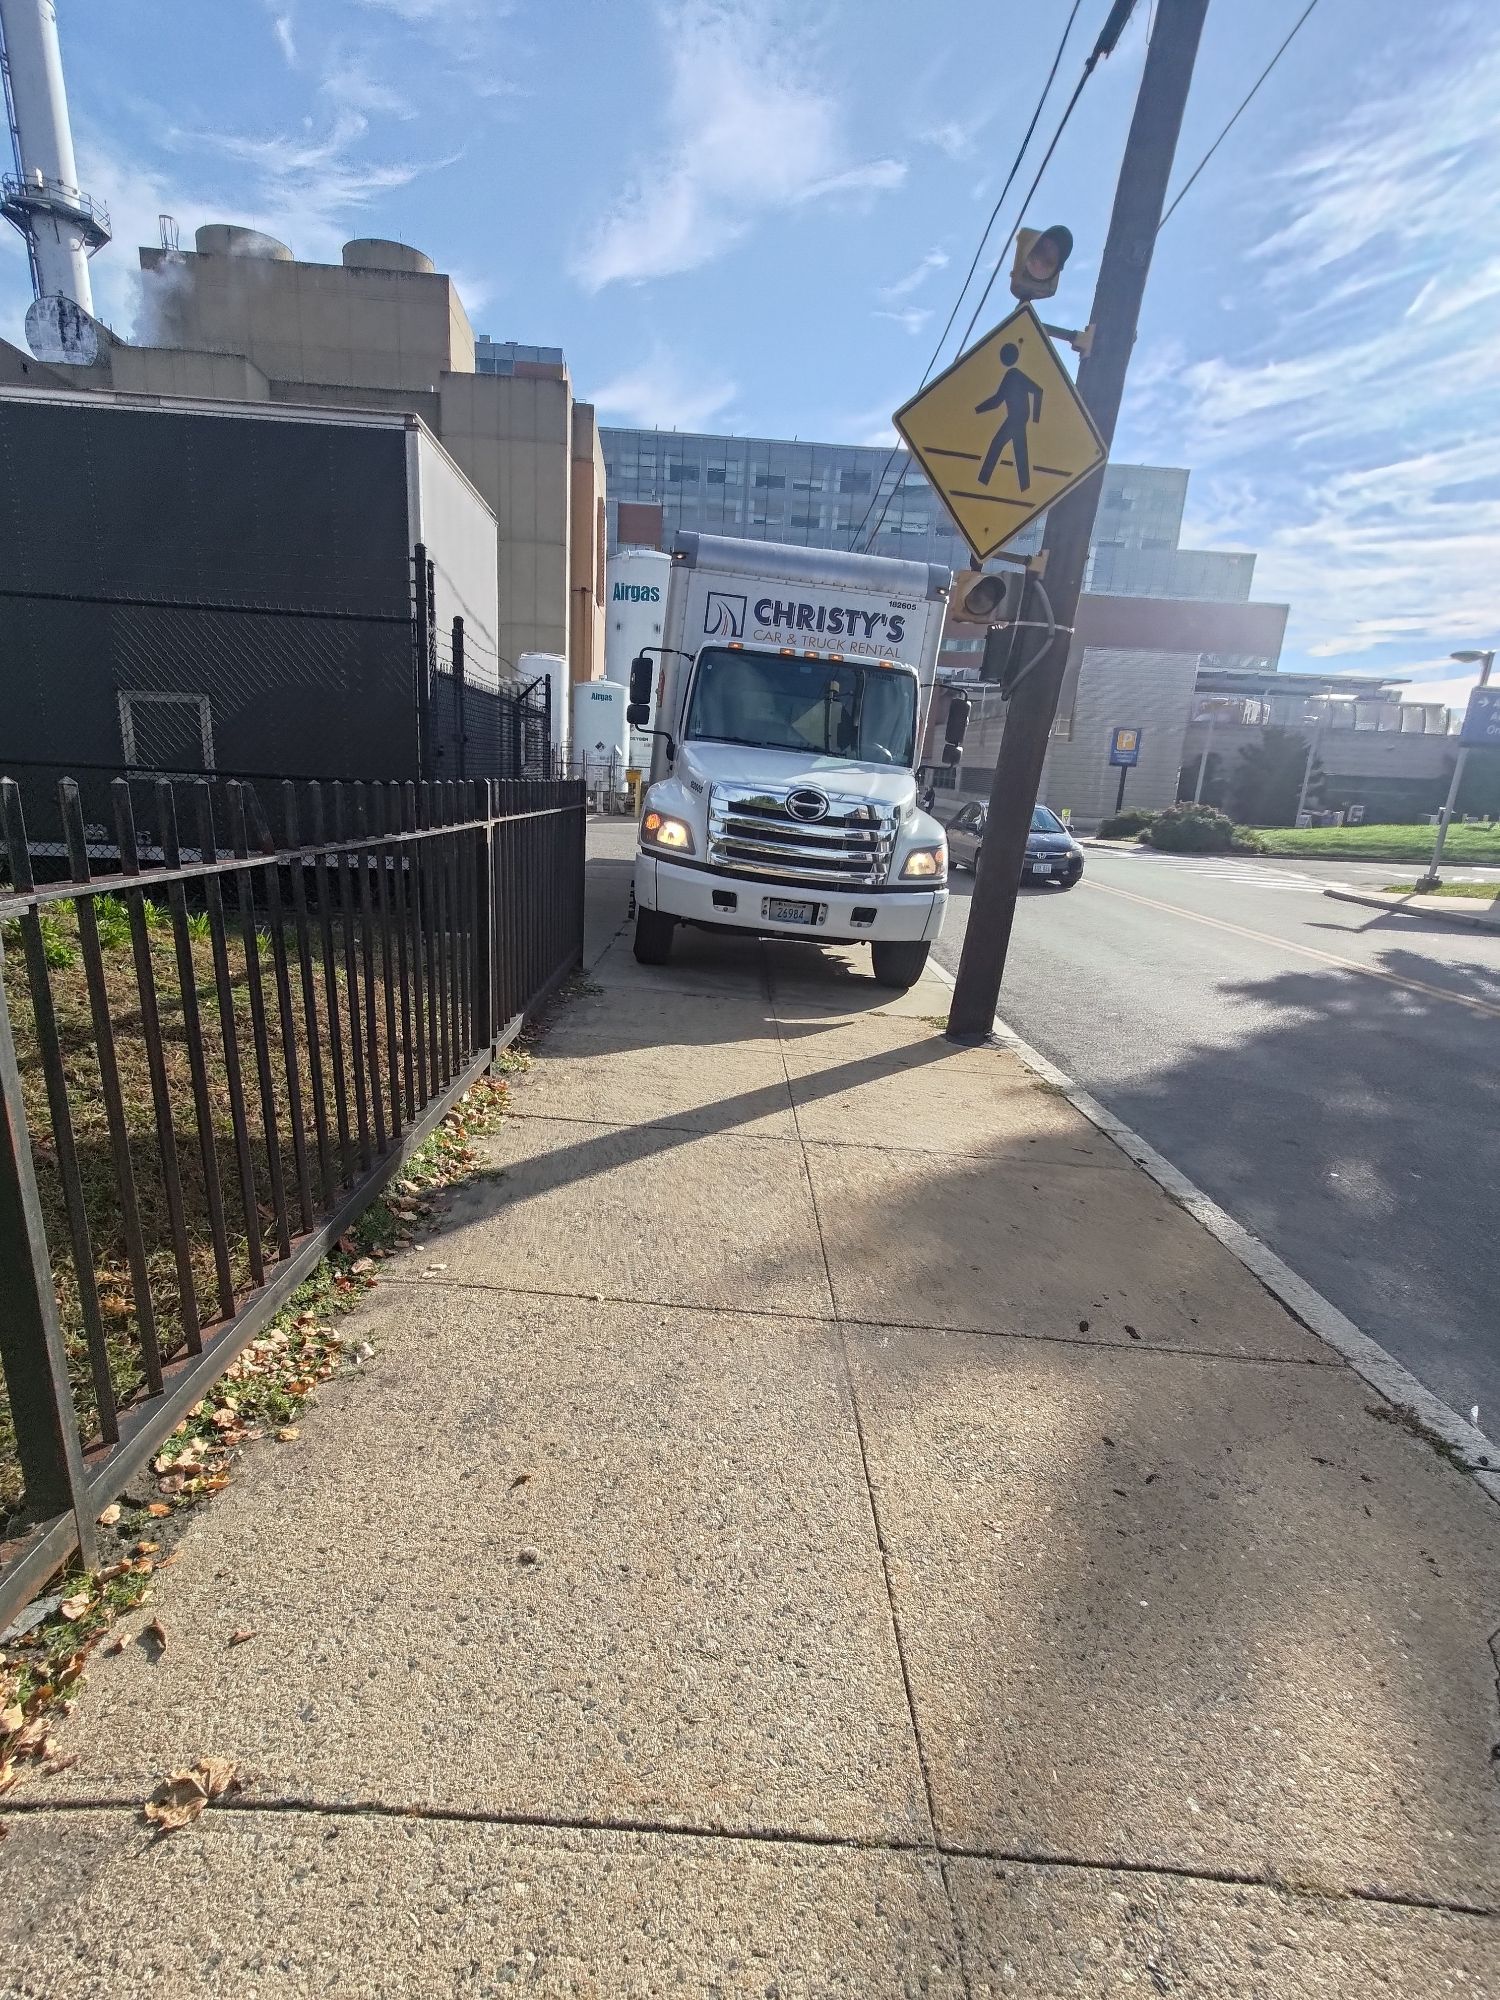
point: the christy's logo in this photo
(724, 616)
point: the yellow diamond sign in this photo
(1002, 433)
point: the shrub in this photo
(1190, 829)
(1125, 825)
(1245, 840)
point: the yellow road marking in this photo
(1306, 950)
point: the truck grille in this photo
(754, 833)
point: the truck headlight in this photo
(661, 830)
(925, 863)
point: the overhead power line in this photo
(1114, 26)
(1015, 168)
(1243, 106)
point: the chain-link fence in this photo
(99, 687)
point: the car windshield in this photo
(778, 701)
(1043, 821)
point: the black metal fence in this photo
(215, 1047)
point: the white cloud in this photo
(281, 26)
(1440, 680)
(752, 132)
(349, 82)
(954, 137)
(662, 393)
(305, 187)
(917, 276)
(911, 319)
(1352, 444)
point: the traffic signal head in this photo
(1040, 256)
(978, 597)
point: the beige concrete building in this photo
(240, 319)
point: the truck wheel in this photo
(899, 964)
(653, 937)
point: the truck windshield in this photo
(780, 702)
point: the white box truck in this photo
(791, 693)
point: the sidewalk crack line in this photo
(955, 1918)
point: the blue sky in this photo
(743, 216)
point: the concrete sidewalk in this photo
(1465, 912)
(827, 1524)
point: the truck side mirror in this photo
(641, 672)
(957, 727)
(638, 714)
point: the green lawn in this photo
(1384, 843)
(1479, 892)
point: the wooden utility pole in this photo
(1139, 198)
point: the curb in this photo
(1478, 1454)
(1444, 908)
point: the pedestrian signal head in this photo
(977, 597)
(1040, 256)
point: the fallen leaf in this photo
(10, 1774)
(147, 1548)
(288, 1433)
(362, 1264)
(158, 1510)
(177, 1802)
(73, 1608)
(110, 1515)
(31, 1739)
(118, 1643)
(182, 1796)
(347, 1245)
(156, 1634)
(11, 1719)
(219, 1775)
(240, 1634)
(226, 1418)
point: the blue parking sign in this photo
(1125, 747)
(1481, 728)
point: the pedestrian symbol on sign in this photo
(1022, 402)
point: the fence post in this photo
(484, 891)
(460, 700)
(31, 1343)
(422, 634)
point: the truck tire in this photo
(899, 965)
(653, 937)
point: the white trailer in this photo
(790, 697)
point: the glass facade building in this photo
(499, 357)
(834, 495)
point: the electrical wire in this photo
(1115, 23)
(1015, 168)
(1243, 106)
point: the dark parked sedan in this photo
(1052, 854)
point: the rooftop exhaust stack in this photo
(62, 226)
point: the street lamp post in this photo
(1484, 659)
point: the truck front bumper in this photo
(744, 902)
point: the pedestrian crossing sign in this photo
(1002, 433)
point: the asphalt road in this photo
(1330, 1074)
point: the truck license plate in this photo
(781, 912)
